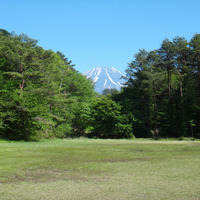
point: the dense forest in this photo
(163, 90)
(43, 96)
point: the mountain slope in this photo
(105, 77)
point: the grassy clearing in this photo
(99, 169)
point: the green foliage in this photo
(163, 90)
(107, 121)
(40, 92)
(42, 95)
(110, 92)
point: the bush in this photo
(107, 121)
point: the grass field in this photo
(99, 170)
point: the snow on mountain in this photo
(105, 77)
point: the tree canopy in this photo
(163, 90)
(42, 95)
(40, 91)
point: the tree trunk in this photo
(169, 86)
(181, 86)
(21, 85)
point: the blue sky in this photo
(103, 33)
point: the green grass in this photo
(99, 169)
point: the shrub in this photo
(107, 121)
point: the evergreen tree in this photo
(163, 89)
(40, 91)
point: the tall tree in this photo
(163, 89)
(40, 92)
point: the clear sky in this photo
(103, 33)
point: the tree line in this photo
(41, 93)
(43, 96)
(163, 90)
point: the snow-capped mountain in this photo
(105, 77)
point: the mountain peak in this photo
(105, 77)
